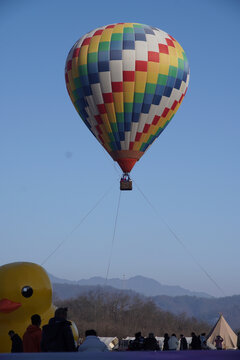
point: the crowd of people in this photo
(57, 336)
(169, 342)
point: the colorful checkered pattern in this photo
(126, 81)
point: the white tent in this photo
(111, 342)
(223, 329)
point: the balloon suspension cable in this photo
(77, 226)
(180, 241)
(113, 238)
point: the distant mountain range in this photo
(139, 284)
(202, 308)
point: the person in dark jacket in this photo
(183, 343)
(150, 343)
(138, 343)
(32, 336)
(196, 342)
(17, 344)
(165, 342)
(57, 336)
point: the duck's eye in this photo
(27, 291)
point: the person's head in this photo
(181, 336)
(193, 334)
(90, 333)
(36, 320)
(61, 313)
(11, 333)
(174, 334)
(138, 334)
(203, 334)
(166, 335)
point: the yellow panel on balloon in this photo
(106, 35)
(94, 43)
(83, 55)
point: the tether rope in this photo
(180, 241)
(113, 238)
(77, 226)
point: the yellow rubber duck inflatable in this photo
(25, 289)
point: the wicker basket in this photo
(126, 185)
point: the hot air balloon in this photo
(126, 81)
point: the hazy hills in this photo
(140, 284)
(202, 308)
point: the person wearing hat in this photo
(57, 336)
(218, 342)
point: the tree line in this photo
(121, 315)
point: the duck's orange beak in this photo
(7, 306)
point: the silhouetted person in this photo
(218, 342)
(32, 336)
(165, 342)
(17, 345)
(203, 340)
(57, 335)
(173, 342)
(183, 343)
(92, 343)
(151, 343)
(238, 340)
(196, 342)
(138, 343)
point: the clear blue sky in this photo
(53, 171)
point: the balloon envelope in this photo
(126, 81)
